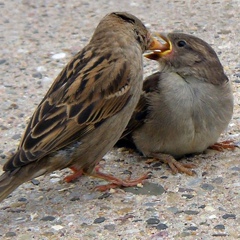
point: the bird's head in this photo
(127, 28)
(189, 56)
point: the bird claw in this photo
(116, 182)
(174, 165)
(177, 167)
(76, 174)
(228, 144)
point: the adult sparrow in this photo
(185, 106)
(87, 107)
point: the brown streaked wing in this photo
(89, 90)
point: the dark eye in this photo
(181, 43)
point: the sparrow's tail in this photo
(10, 180)
(8, 183)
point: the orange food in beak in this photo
(161, 49)
(155, 45)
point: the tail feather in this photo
(9, 182)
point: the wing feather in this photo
(89, 90)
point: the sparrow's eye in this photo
(181, 43)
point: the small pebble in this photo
(131, 231)
(37, 75)
(57, 227)
(229, 216)
(20, 219)
(173, 209)
(218, 180)
(16, 136)
(137, 220)
(222, 209)
(164, 177)
(191, 212)
(22, 200)
(152, 221)
(204, 224)
(55, 180)
(75, 198)
(10, 234)
(187, 196)
(157, 165)
(150, 209)
(2, 61)
(99, 220)
(235, 169)
(110, 227)
(41, 69)
(48, 234)
(185, 190)
(219, 235)
(192, 228)
(224, 31)
(25, 236)
(48, 218)
(183, 234)
(149, 204)
(212, 216)
(54, 175)
(46, 80)
(147, 189)
(105, 195)
(161, 226)
(194, 182)
(209, 208)
(219, 227)
(35, 181)
(127, 172)
(204, 174)
(59, 56)
(207, 186)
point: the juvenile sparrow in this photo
(185, 106)
(87, 107)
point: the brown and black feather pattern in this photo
(99, 83)
(77, 102)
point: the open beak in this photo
(162, 49)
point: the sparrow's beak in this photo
(162, 50)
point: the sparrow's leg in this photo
(115, 182)
(175, 166)
(228, 144)
(76, 174)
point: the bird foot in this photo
(115, 182)
(228, 144)
(175, 166)
(76, 174)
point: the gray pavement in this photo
(37, 39)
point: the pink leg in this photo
(175, 165)
(228, 144)
(76, 174)
(116, 182)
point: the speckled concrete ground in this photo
(37, 40)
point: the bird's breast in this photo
(184, 117)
